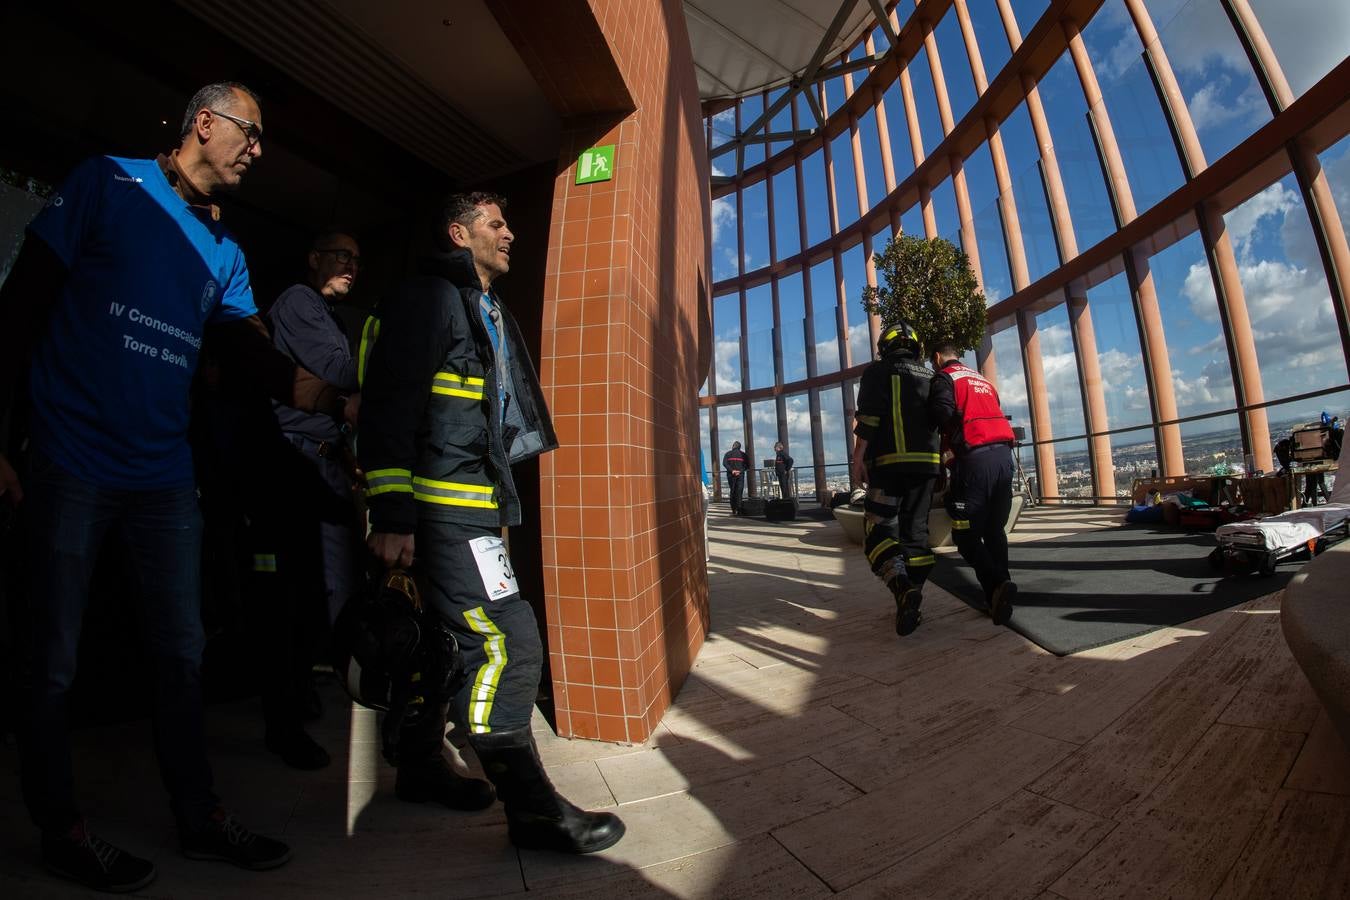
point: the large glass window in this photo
(786, 229)
(798, 428)
(990, 36)
(1225, 102)
(1212, 446)
(1201, 377)
(1011, 383)
(1122, 365)
(1033, 213)
(725, 252)
(825, 309)
(764, 415)
(755, 223)
(834, 444)
(817, 198)
(792, 315)
(874, 176)
(727, 337)
(1335, 162)
(759, 335)
(855, 279)
(1076, 152)
(944, 210)
(845, 180)
(1063, 389)
(781, 122)
(752, 107)
(1310, 38)
(1152, 166)
(897, 129)
(955, 65)
(983, 190)
(1298, 340)
(925, 101)
(710, 464)
(1028, 13)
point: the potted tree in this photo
(929, 283)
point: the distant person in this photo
(896, 453)
(735, 462)
(1284, 455)
(964, 405)
(782, 468)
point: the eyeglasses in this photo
(342, 256)
(252, 133)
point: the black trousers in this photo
(896, 527)
(496, 631)
(978, 501)
(784, 484)
(736, 481)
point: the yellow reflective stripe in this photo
(452, 385)
(387, 481)
(489, 673)
(921, 561)
(264, 562)
(889, 458)
(874, 421)
(876, 551)
(897, 416)
(960, 524)
(370, 332)
(453, 493)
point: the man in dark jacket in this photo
(896, 453)
(964, 405)
(451, 400)
(735, 462)
(782, 468)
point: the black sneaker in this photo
(95, 863)
(1001, 602)
(297, 749)
(225, 839)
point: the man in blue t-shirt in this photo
(121, 277)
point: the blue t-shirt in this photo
(147, 272)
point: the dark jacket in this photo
(893, 417)
(305, 328)
(434, 442)
(782, 463)
(735, 461)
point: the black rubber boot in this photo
(434, 780)
(538, 817)
(908, 599)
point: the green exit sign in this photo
(596, 164)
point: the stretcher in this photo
(1264, 543)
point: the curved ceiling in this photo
(742, 46)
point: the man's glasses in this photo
(252, 133)
(342, 256)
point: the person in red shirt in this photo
(964, 406)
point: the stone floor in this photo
(812, 753)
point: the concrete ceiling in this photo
(440, 78)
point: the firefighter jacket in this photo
(443, 413)
(892, 416)
(965, 406)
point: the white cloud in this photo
(1209, 109)
(727, 361)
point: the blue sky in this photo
(1281, 274)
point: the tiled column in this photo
(626, 604)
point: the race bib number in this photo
(494, 567)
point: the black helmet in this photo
(386, 645)
(900, 336)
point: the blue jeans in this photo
(67, 520)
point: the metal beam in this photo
(849, 66)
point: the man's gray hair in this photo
(220, 94)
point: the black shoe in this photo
(95, 863)
(537, 817)
(1001, 602)
(297, 749)
(434, 780)
(223, 838)
(907, 602)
